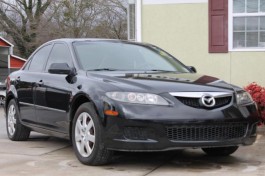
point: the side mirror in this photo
(60, 68)
(193, 69)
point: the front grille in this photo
(223, 101)
(135, 133)
(195, 102)
(213, 132)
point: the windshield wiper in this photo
(103, 69)
(158, 70)
(113, 69)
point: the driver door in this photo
(53, 111)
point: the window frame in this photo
(231, 16)
(27, 65)
(71, 57)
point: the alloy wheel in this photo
(85, 134)
(11, 120)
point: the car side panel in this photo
(24, 84)
(52, 102)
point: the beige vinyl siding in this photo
(182, 30)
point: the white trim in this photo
(19, 58)
(200, 94)
(230, 25)
(8, 61)
(153, 2)
(248, 14)
(138, 19)
(11, 50)
(1, 38)
(15, 67)
(247, 49)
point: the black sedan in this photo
(109, 95)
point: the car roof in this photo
(71, 40)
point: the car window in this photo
(125, 56)
(39, 59)
(59, 54)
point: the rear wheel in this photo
(15, 130)
(220, 151)
(86, 137)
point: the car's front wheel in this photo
(220, 151)
(86, 137)
(15, 130)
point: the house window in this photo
(131, 20)
(248, 24)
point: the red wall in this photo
(16, 63)
(3, 43)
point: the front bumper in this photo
(135, 135)
(141, 130)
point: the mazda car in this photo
(112, 95)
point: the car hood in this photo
(163, 82)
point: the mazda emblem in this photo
(208, 101)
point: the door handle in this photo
(40, 83)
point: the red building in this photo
(8, 61)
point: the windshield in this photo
(112, 56)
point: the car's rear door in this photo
(52, 99)
(26, 81)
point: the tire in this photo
(220, 151)
(87, 137)
(15, 130)
(2, 100)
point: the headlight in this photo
(140, 98)
(243, 98)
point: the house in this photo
(8, 61)
(222, 38)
